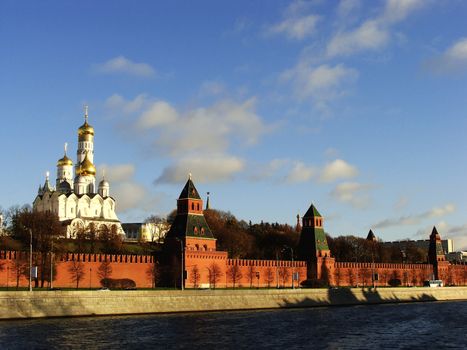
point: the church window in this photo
(205, 247)
(197, 246)
(197, 206)
(192, 206)
(202, 231)
(195, 230)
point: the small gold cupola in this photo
(65, 161)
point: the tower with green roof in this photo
(313, 247)
(189, 224)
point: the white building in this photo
(146, 232)
(76, 200)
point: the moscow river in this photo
(397, 326)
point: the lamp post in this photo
(51, 265)
(30, 260)
(293, 269)
(182, 268)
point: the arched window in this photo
(192, 206)
(197, 206)
(195, 230)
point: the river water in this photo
(430, 325)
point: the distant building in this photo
(146, 232)
(447, 244)
(458, 257)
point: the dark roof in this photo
(371, 236)
(312, 212)
(189, 225)
(189, 191)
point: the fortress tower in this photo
(436, 256)
(313, 247)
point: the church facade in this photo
(76, 200)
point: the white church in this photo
(79, 204)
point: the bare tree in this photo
(104, 272)
(195, 276)
(20, 268)
(215, 274)
(284, 274)
(269, 276)
(251, 274)
(234, 274)
(76, 269)
(153, 273)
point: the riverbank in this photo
(92, 303)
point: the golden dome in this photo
(86, 167)
(65, 161)
(85, 129)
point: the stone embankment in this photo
(92, 303)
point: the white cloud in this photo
(204, 169)
(123, 65)
(297, 23)
(128, 193)
(398, 10)
(321, 83)
(417, 218)
(353, 193)
(208, 129)
(374, 33)
(296, 27)
(346, 7)
(453, 60)
(368, 36)
(119, 104)
(118, 173)
(300, 172)
(198, 140)
(338, 169)
(158, 114)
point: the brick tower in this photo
(189, 231)
(314, 249)
(436, 256)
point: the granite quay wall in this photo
(92, 303)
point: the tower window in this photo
(192, 206)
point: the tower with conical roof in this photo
(371, 236)
(436, 255)
(189, 224)
(313, 247)
(188, 236)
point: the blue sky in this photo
(356, 106)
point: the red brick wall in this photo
(123, 266)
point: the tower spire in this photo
(65, 147)
(207, 202)
(86, 113)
